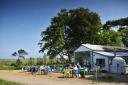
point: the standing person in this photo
(33, 69)
(48, 70)
(41, 69)
(82, 72)
(75, 71)
(70, 66)
(45, 70)
(78, 65)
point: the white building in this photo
(109, 58)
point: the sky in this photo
(22, 21)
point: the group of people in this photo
(42, 69)
(75, 70)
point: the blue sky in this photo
(21, 21)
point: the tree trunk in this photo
(69, 56)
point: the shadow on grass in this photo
(109, 78)
(105, 77)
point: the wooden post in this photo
(114, 52)
(92, 64)
(74, 58)
(96, 75)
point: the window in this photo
(100, 62)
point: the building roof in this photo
(105, 48)
(112, 54)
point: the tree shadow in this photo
(109, 78)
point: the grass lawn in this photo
(5, 82)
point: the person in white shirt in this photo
(75, 71)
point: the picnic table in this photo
(68, 73)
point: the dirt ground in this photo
(29, 79)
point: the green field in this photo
(5, 82)
(7, 64)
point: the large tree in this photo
(68, 30)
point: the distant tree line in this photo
(21, 61)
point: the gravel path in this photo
(28, 79)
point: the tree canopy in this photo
(122, 28)
(71, 28)
(110, 37)
(124, 34)
(68, 30)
